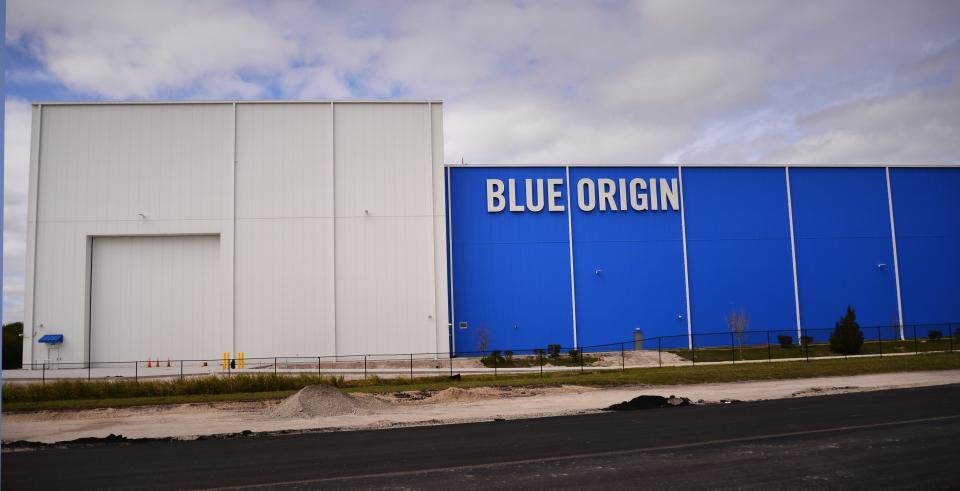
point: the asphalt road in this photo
(891, 439)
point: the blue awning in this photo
(51, 338)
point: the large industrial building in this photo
(188, 229)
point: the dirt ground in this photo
(454, 405)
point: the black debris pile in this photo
(650, 402)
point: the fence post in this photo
(411, 367)
(916, 348)
(364, 367)
(580, 354)
(43, 375)
(623, 359)
(136, 376)
(769, 357)
(541, 364)
(319, 373)
(659, 358)
(733, 349)
(950, 332)
(88, 370)
(880, 342)
(693, 350)
(806, 345)
(274, 365)
(181, 369)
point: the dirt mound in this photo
(649, 402)
(324, 400)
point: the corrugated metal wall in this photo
(338, 211)
(730, 249)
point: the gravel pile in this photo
(324, 400)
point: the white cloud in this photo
(16, 169)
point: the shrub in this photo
(574, 355)
(847, 338)
(785, 341)
(553, 350)
(495, 359)
(935, 335)
(509, 356)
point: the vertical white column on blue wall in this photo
(573, 289)
(686, 270)
(233, 261)
(453, 318)
(793, 250)
(896, 261)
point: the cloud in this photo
(16, 169)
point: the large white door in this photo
(155, 297)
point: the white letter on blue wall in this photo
(553, 194)
(495, 201)
(512, 184)
(535, 200)
(669, 193)
(584, 193)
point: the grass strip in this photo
(73, 394)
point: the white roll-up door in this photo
(155, 297)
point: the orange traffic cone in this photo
(148, 363)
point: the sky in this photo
(522, 81)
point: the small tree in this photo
(847, 338)
(738, 322)
(483, 340)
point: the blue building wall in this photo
(510, 275)
(511, 271)
(844, 247)
(926, 205)
(628, 267)
(738, 249)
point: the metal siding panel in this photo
(926, 206)
(842, 228)
(384, 262)
(511, 270)
(285, 287)
(113, 162)
(285, 167)
(738, 241)
(640, 259)
(285, 277)
(384, 285)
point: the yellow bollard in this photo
(240, 359)
(226, 360)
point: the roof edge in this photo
(229, 101)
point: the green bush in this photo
(847, 338)
(574, 355)
(553, 350)
(13, 345)
(785, 341)
(935, 335)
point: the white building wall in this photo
(285, 303)
(310, 274)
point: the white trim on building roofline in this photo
(271, 101)
(728, 164)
